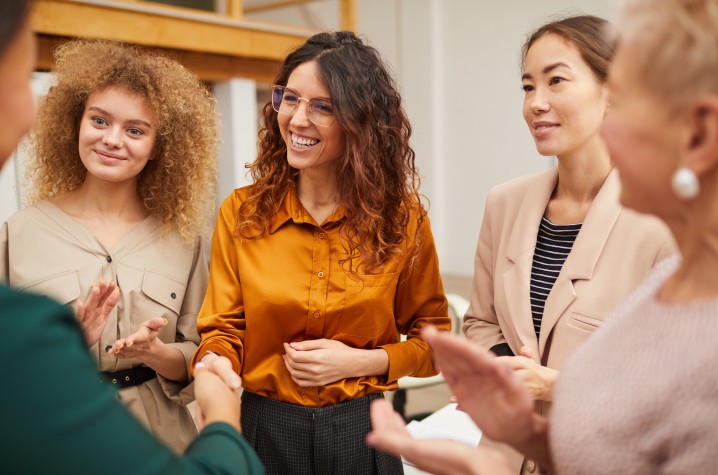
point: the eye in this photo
(135, 132)
(323, 107)
(527, 87)
(98, 121)
(555, 80)
(290, 98)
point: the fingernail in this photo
(108, 348)
(199, 364)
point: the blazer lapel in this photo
(519, 253)
(584, 254)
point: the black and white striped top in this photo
(553, 244)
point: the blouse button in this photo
(321, 235)
(109, 259)
(316, 315)
(173, 295)
(320, 275)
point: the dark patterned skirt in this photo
(297, 440)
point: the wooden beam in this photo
(235, 9)
(209, 67)
(348, 15)
(75, 19)
(276, 5)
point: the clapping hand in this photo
(92, 314)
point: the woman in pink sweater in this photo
(640, 396)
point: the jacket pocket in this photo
(583, 322)
(164, 290)
(64, 288)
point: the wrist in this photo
(548, 377)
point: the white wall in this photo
(457, 62)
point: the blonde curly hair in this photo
(177, 187)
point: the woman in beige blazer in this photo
(534, 324)
(123, 156)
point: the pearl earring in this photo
(685, 184)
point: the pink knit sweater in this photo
(641, 396)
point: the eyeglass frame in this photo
(310, 111)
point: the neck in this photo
(695, 229)
(101, 199)
(582, 173)
(314, 191)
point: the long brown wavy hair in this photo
(377, 178)
(177, 187)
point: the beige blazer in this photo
(615, 249)
(44, 250)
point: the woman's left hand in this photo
(314, 363)
(539, 380)
(141, 343)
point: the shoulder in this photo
(235, 199)
(39, 313)
(29, 213)
(523, 183)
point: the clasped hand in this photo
(313, 363)
(537, 379)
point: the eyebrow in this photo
(548, 69)
(131, 121)
(297, 93)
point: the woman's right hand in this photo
(92, 314)
(216, 402)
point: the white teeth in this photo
(302, 142)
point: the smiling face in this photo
(17, 109)
(117, 135)
(564, 102)
(310, 148)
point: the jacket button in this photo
(530, 466)
(173, 295)
(109, 259)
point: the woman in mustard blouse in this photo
(320, 265)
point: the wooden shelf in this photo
(214, 46)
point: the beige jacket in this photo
(615, 249)
(44, 250)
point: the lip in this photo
(109, 155)
(543, 128)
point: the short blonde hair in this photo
(678, 40)
(178, 186)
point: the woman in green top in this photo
(57, 418)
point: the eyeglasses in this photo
(319, 111)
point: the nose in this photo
(538, 101)
(112, 137)
(301, 114)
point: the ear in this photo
(700, 148)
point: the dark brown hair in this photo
(12, 15)
(593, 36)
(377, 178)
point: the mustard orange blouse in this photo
(289, 285)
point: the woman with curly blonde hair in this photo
(321, 264)
(123, 160)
